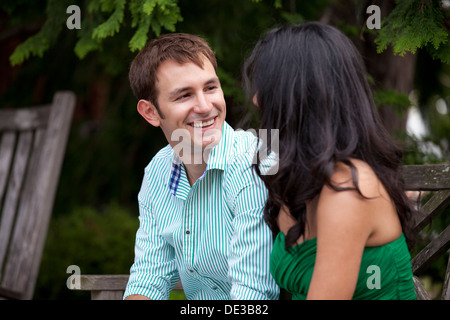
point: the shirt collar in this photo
(221, 154)
(175, 174)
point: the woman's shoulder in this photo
(359, 175)
(342, 203)
(371, 208)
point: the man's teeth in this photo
(201, 124)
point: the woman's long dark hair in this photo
(310, 84)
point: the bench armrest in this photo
(107, 287)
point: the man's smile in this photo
(203, 123)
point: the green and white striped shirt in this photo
(211, 235)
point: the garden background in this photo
(95, 215)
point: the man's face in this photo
(191, 103)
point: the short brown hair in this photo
(180, 47)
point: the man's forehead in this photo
(187, 72)
(182, 61)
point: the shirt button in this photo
(214, 287)
(191, 270)
(188, 232)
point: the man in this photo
(200, 204)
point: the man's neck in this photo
(195, 170)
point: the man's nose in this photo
(203, 104)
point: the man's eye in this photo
(184, 96)
(211, 88)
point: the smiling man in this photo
(201, 206)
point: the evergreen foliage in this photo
(144, 15)
(397, 101)
(40, 43)
(415, 24)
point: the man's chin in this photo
(197, 146)
(205, 145)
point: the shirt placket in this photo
(189, 222)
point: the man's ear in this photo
(148, 111)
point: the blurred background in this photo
(95, 215)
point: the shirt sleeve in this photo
(153, 273)
(252, 241)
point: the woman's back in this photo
(352, 231)
(385, 272)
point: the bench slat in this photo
(432, 208)
(13, 193)
(24, 119)
(6, 155)
(446, 286)
(435, 248)
(427, 177)
(108, 282)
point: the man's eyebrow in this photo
(214, 80)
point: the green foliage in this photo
(412, 24)
(102, 19)
(40, 42)
(418, 151)
(112, 25)
(442, 53)
(397, 101)
(145, 15)
(99, 242)
(156, 14)
(415, 24)
(276, 3)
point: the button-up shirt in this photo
(212, 234)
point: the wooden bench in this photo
(32, 147)
(430, 179)
(435, 180)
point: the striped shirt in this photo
(212, 235)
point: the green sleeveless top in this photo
(385, 272)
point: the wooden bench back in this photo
(32, 147)
(433, 182)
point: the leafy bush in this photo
(99, 242)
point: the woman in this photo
(337, 204)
